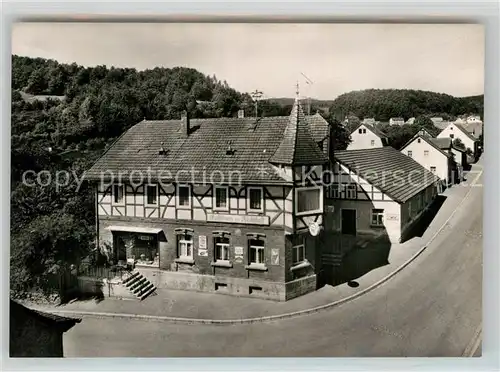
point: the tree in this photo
(340, 137)
(457, 142)
(424, 122)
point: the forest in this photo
(63, 117)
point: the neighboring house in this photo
(437, 120)
(226, 207)
(36, 334)
(454, 130)
(396, 121)
(367, 136)
(377, 192)
(370, 121)
(410, 121)
(429, 154)
(441, 124)
(474, 119)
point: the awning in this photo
(135, 229)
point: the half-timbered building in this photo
(219, 205)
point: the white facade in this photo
(429, 157)
(453, 132)
(396, 121)
(364, 138)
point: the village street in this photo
(431, 308)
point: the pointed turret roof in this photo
(298, 146)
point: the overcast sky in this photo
(271, 57)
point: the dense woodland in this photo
(65, 115)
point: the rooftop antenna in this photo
(256, 96)
(308, 82)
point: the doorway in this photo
(348, 221)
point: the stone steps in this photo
(139, 286)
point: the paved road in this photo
(432, 308)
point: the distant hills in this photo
(382, 104)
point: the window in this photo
(299, 253)
(221, 249)
(419, 140)
(364, 131)
(118, 194)
(350, 191)
(426, 152)
(409, 154)
(334, 191)
(372, 142)
(151, 194)
(433, 169)
(221, 198)
(452, 135)
(255, 199)
(377, 217)
(185, 246)
(256, 251)
(360, 131)
(184, 196)
(309, 200)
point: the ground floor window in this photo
(185, 246)
(221, 249)
(256, 251)
(299, 253)
(377, 217)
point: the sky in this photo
(272, 58)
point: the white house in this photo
(378, 192)
(454, 130)
(410, 121)
(396, 121)
(367, 136)
(425, 151)
(370, 121)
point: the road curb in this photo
(271, 317)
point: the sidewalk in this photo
(195, 305)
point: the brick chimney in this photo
(185, 127)
(241, 114)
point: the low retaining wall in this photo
(103, 288)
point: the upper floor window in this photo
(433, 169)
(419, 140)
(309, 200)
(152, 194)
(221, 245)
(350, 191)
(255, 200)
(377, 217)
(409, 154)
(118, 194)
(221, 198)
(360, 130)
(184, 246)
(372, 142)
(426, 152)
(256, 251)
(184, 196)
(334, 191)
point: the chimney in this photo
(185, 127)
(241, 114)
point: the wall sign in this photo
(236, 218)
(202, 246)
(202, 242)
(392, 217)
(275, 256)
(238, 254)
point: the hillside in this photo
(382, 104)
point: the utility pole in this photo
(256, 96)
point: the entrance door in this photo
(349, 221)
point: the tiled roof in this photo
(204, 151)
(61, 322)
(298, 146)
(395, 174)
(466, 132)
(442, 143)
